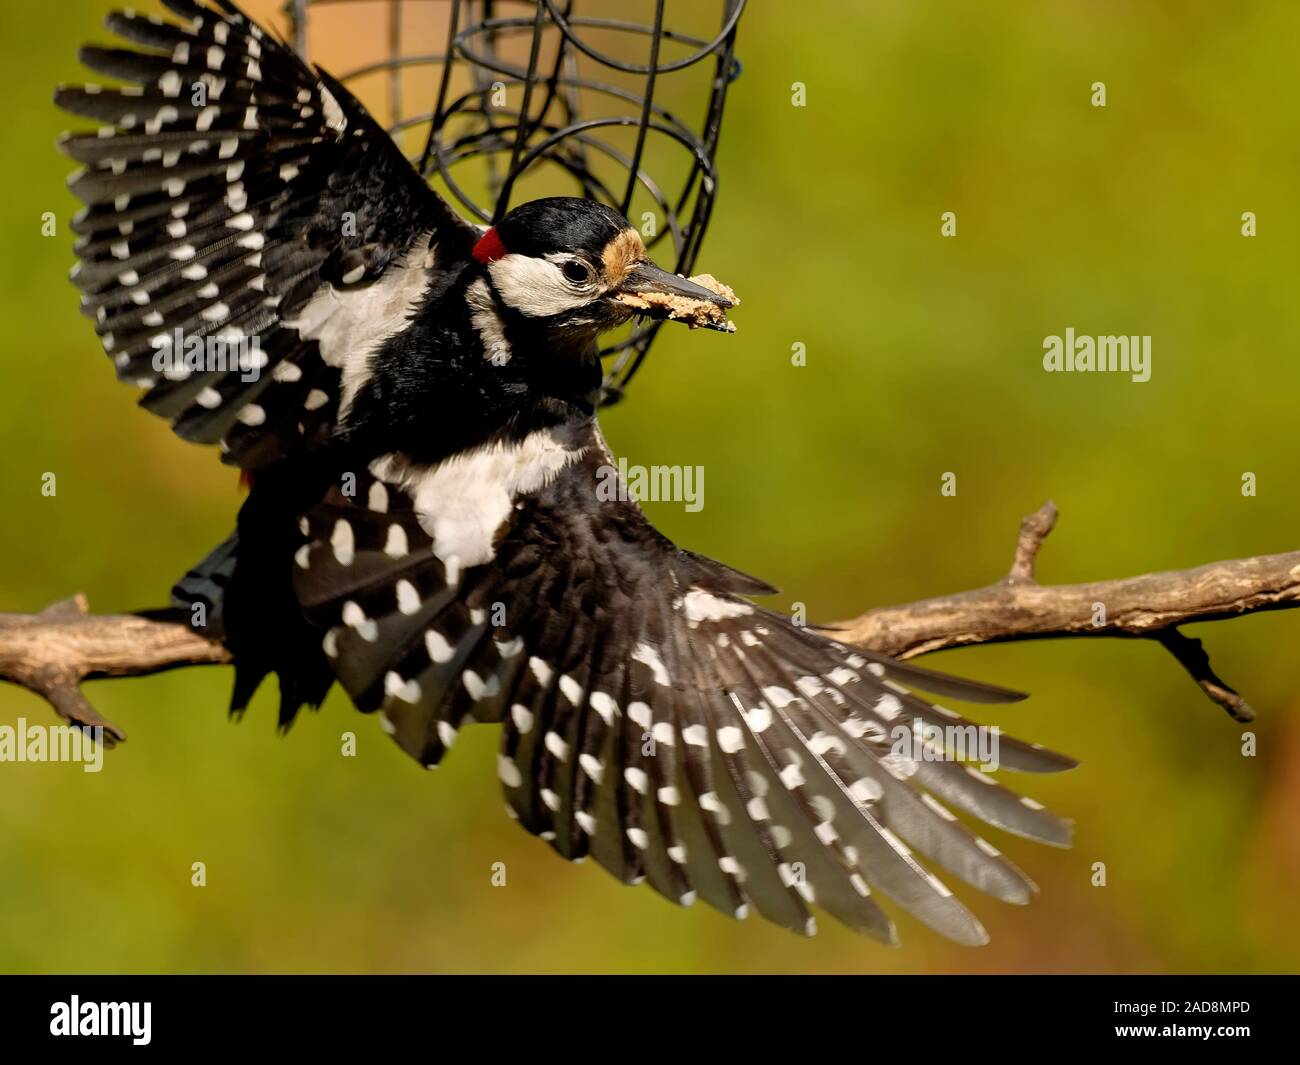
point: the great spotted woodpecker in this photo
(424, 524)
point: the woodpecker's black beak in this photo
(646, 278)
(656, 293)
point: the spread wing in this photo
(250, 233)
(654, 717)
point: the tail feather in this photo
(204, 586)
(242, 594)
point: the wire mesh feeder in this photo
(490, 97)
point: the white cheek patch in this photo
(534, 287)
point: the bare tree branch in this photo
(52, 652)
(1191, 655)
(1149, 607)
(1034, 529)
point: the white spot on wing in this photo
(334, 117)
(699, 605)
(397, 688)
(571, 689)
(866, 790)
(556, 745)
(647, 655)
(602, 704)
(591, 766)
(408, 599)
(508, 772)
(355, 618)
(395, 546)
(439, 649)
(888, 706)
(779, 697)
(730, 739)
(343, 543)
(478, 688)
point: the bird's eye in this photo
(576, 272)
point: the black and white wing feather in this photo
(242, 204)
(654, 717)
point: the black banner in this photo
(335, 1013)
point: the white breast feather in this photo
(461, 503)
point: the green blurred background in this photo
(923, 356)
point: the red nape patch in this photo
(489, 247)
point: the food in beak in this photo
(701, 302)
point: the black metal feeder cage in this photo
(493, 97)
